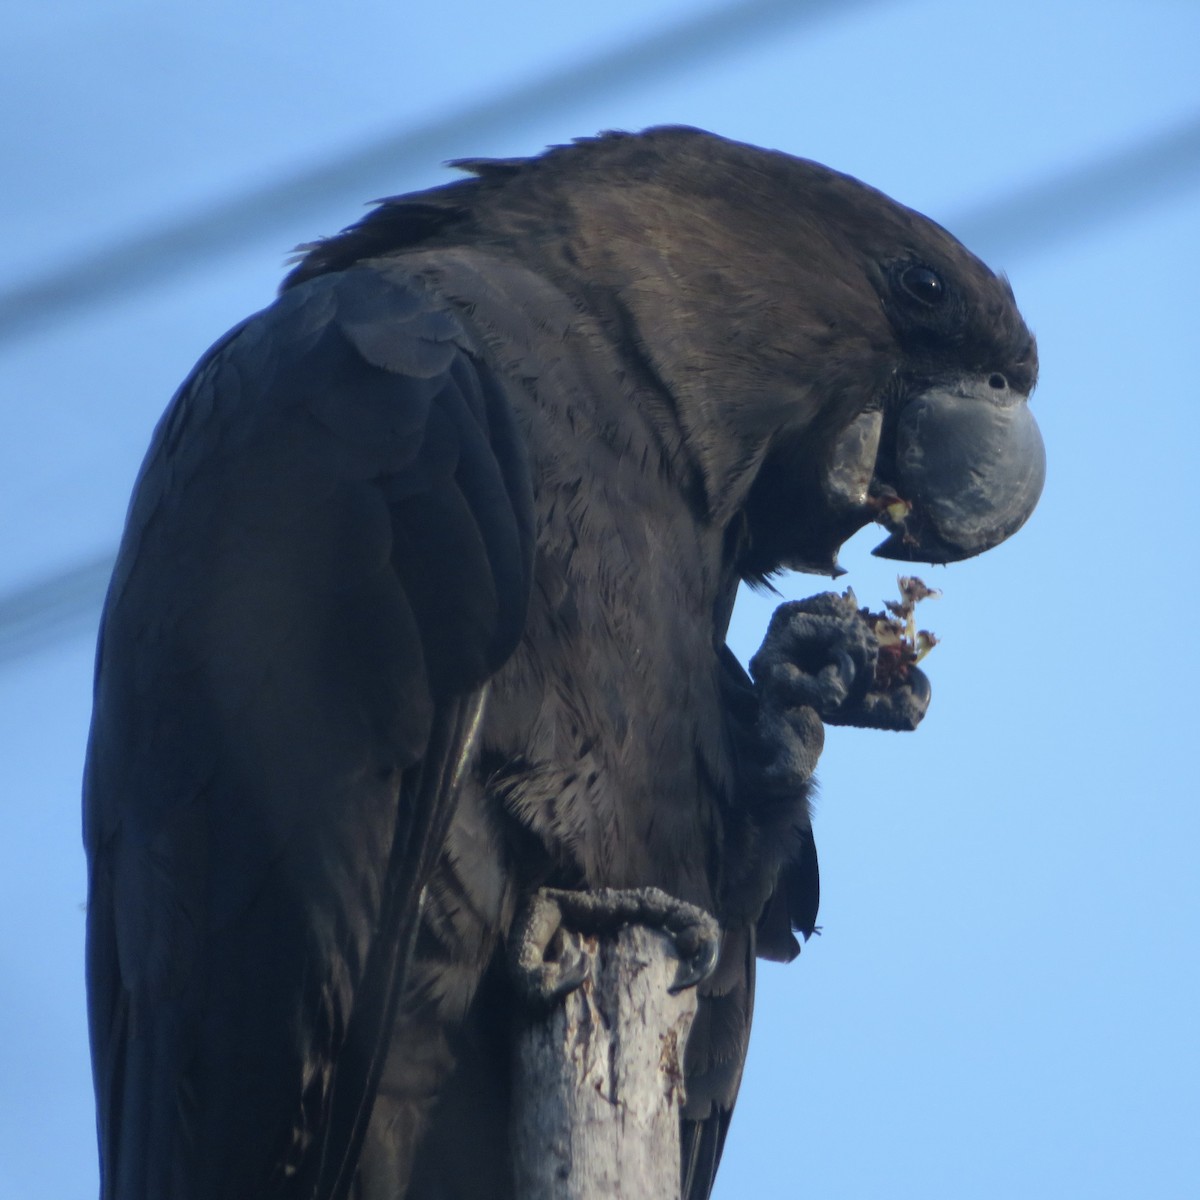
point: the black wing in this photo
(327, 554)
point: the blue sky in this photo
(1004, 998)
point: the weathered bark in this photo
(599, 1064)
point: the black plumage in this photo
(421, 605)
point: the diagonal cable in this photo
(53, 608)
(1057, 209)
(372, 169)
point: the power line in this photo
(198, 238)
(54, 608)
(1056, 209)
(1026, 221)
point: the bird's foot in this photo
(822, 653)
(548, 960)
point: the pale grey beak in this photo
(969, 468)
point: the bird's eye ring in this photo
(924, 285)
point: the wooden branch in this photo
(599, 1065)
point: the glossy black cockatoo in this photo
(421, 606)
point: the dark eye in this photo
(923, 284)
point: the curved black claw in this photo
(823, 654)
(818, 652)
(554, 919)
(900, 706)
(697, 941)
(546, 962)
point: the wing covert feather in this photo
(327, 554)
